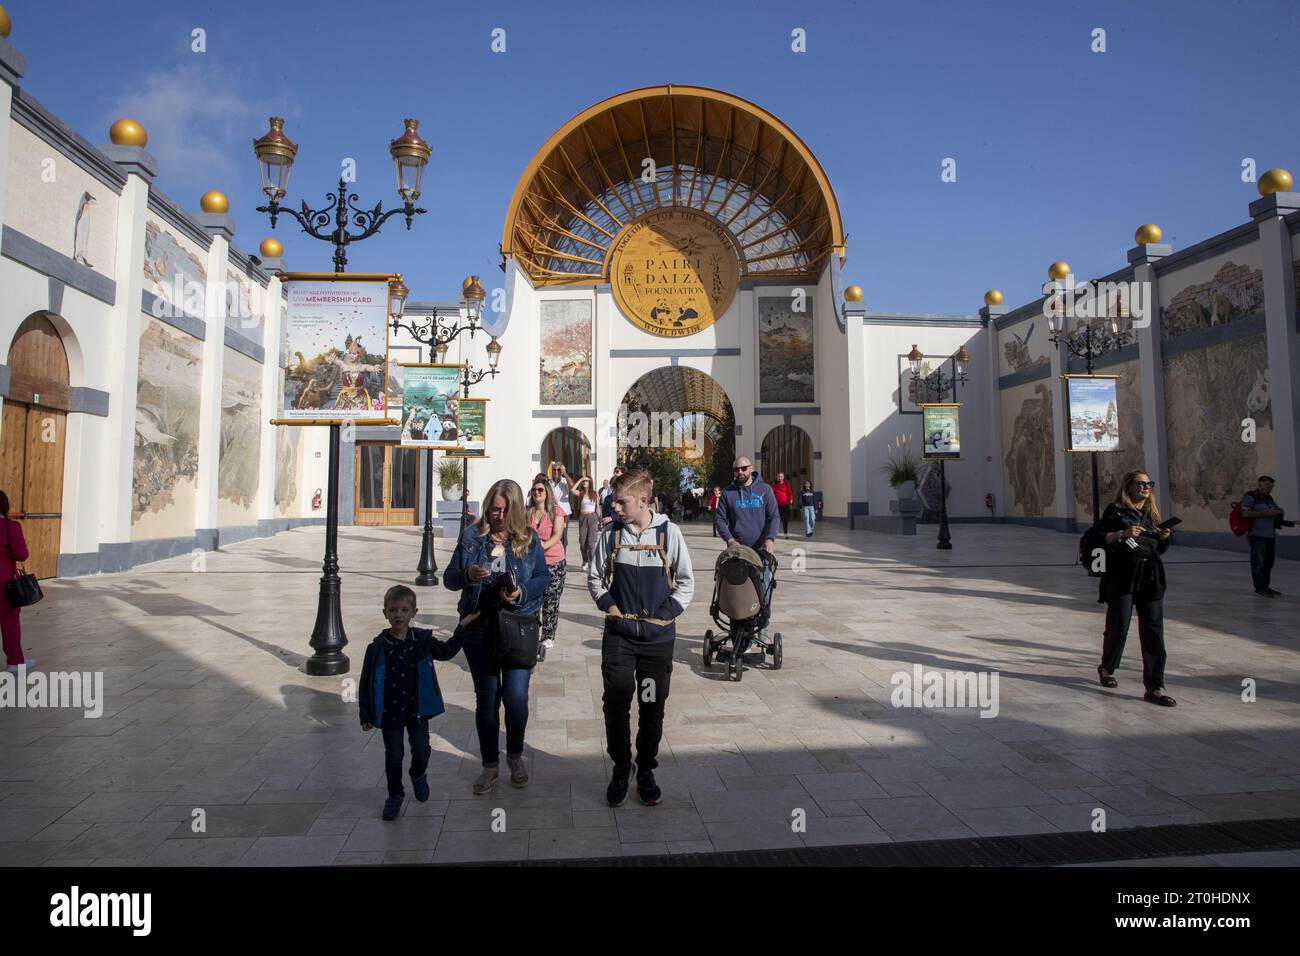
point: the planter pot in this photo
(905, 491)
(451, 494)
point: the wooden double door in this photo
(387, 484)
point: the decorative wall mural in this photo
(241, 436)
(1235, 292)
(1207, 394)
(785, 350)
(171, 270)
(1030, 459)
(566, 352)
(288, 441)
(166, 457)
(81, 229)
(1024, 346)
(244, 306)
(1129, 456)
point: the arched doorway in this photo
(569, 447)
(32, 438)
(788, 450)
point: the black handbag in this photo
(23, 590)
(516, 640)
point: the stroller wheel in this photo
(735, 667)
(708, 648)
(776, 651)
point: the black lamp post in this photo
(938, 382)
(438, 332)
(1088, 344)
(275, 155)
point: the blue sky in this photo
(1061, 152)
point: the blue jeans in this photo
(809, 518)
(492, 687)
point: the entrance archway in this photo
(33, 437)
(570, 448)
(788, 450)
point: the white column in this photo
(993, 401)
(214, 349)
(1283, 341)
(271, 324)
(1064, 467)
(1155, 452)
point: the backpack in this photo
(1092, 540)
(660, 546)
(1238, 522)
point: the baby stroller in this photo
(741, 608)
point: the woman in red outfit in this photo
(13, 548)
(784, 496)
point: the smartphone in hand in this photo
(1169, 523)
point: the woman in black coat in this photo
(1134, 580)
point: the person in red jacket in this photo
(784, 496)
(13, 548)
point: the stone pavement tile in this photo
(1080, 816)
(1248, 806)
(404, 833)
(1069, 795)
(1137, 800)
(902, 788)
(958, 832)
(22, 823)
(658, 825)
(209, 851)
(969, 794)
(271, 795)
(30, 853)
(762, 781)
(1005, 821)
(471, 846)
(515, 811)
(337, 826)
(748, 834)
(262, 820)
(1261, 858)
(788, 760)
(117, 840)
(885, 770)
(909, 813)
(293, 851)
(374, 858)
(843, 830)
(646, 849)
(688, 778)
(116, 807)
(558, 844)
(756, 806)
(840, 786)
(62, 832)
(841, 808)
(593, 818)
(681, 847)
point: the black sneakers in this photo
(616, 792)
(647, 789)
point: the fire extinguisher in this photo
(988, 501)
(315, 501)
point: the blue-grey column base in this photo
(887, 524)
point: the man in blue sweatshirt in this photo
(640, 576)
(748, 514)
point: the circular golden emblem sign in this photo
(674, 271)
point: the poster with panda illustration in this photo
(430, 405)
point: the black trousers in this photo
(1262, 551)
(785, 518)
(633, 669)
(418, 730)
(1151, 632)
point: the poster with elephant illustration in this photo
(431, 405)
(337, 332)
(1092, 407)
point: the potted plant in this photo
(900, 466)
(449, 479)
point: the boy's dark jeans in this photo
(1262, 551)
(418, 730)
(633, 669)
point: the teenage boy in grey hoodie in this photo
(641, 577)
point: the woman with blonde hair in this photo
(1134, 580)
(587, 507)
(546, 518)
(498, 565)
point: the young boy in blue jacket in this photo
(641, 577)
(399, 692)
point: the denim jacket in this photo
(475, 547)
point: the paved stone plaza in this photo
(206, 708)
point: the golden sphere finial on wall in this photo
(1058, 270)
(271, 249)
(1148, 233)
(5, 23)
(993, 297)
(127, 132)
(1274, 181)
(853, 293)
(213, 201)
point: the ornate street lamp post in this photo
(1087, 343)
(275, 156)
(438, 332)
(936, 381)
